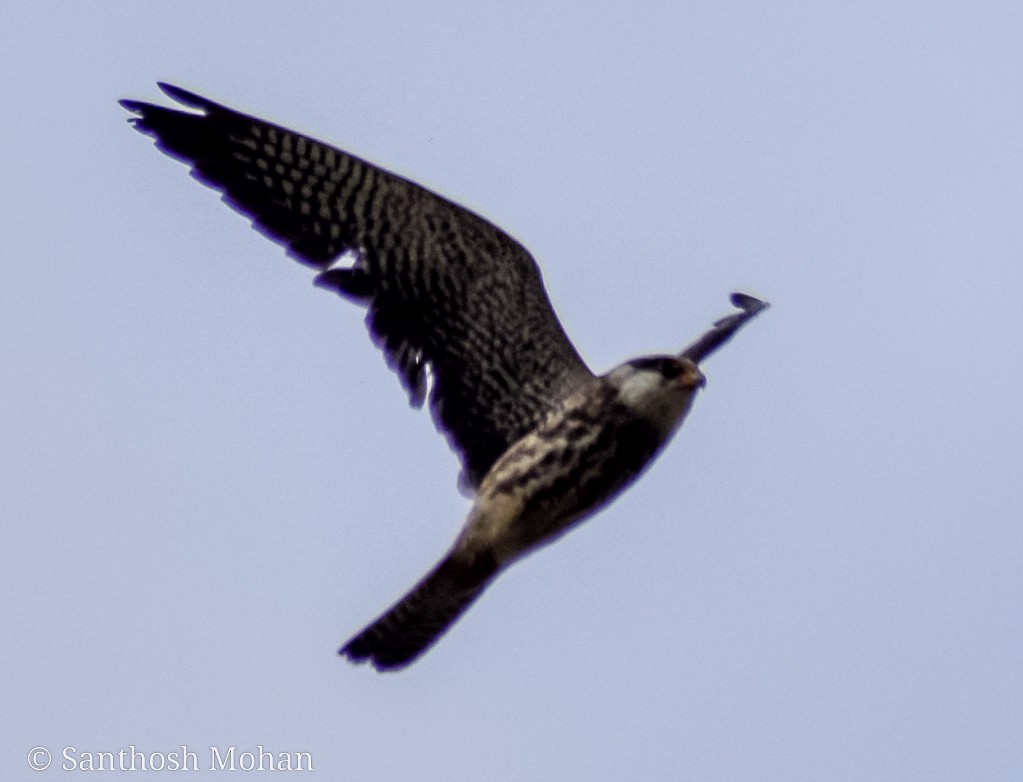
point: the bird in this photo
(460, 311)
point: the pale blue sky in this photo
(209, 479)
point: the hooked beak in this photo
(692, 377)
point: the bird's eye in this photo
(671, 369)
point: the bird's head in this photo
(659, 389)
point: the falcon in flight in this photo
(459, 309)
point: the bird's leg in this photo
(724, 329)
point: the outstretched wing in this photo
(445, 289)
(725, 328)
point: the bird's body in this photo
(544, 442)
(586, 451)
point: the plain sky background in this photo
(209, 479)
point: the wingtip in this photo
(750, 304)
(361, 657)
(187, 98)
(179, 94)
(355, 650)
(184, 97)
(133, 106)
(346, 652)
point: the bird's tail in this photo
(416, 621)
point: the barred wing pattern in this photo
(445, 289)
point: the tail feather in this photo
(419, 619)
